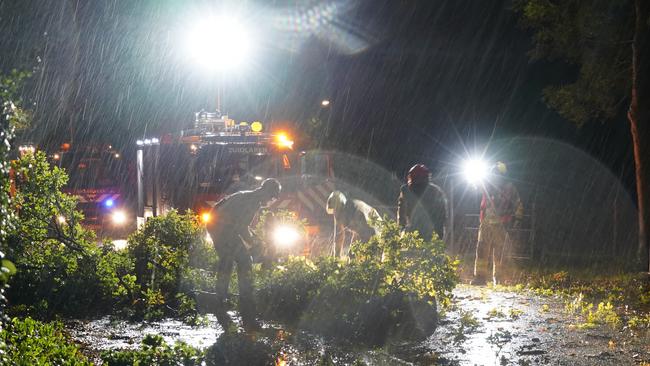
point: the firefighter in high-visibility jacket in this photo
(234, 242)
(501, 210)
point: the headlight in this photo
(475, 171)
(119, 217)
(285, 236)
(282, 139)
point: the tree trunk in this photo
(639, 116)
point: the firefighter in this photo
(501, 210)
(422, 205)
(234, 243)
(354, 216)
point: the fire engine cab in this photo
(218, 156)
(97, 178)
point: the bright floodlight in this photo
(475, 171)
(219, 43)
(285, 236)
(119, 217)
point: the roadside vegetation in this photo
(619, 300)
(390, 288)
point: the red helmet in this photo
(418, 174)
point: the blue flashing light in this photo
(109, 202)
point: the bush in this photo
(288, 289)
(171, 261)
(155, 351)
(10, 113)
(30, 342)
(388, 289)
(60, 268)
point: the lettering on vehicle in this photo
(248, 150)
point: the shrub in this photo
(287, 290)
(60, 268)
(389, 288)
(30, 342)
(166, 253)
(10, 117)
(155, 351)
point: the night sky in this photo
(409, 81)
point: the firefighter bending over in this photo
(422, 205)
(501, 210)
(234, 242)
(354, 216)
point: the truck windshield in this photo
(91, 170)
(223, 172)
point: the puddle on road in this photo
(106, 333)
(510, 327)
(483, 327)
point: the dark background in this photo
(410, 81)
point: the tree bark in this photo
(639, 117)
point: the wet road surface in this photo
(482, 327)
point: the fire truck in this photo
(97, 176)
(218, 156)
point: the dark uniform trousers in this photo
(231, 251)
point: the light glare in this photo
(284, 141)
(285, 236)
(119, 217)
(475, 171)
(220, 43)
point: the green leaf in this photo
(9, 266)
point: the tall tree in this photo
(608, 41)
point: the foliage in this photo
(30, 342)
(595, 36)
(155, 351)
(9, 114)
(467, 324)
(389, 287)
(56, 258)
(496, 313)
(408, 263)
(604, 313)
(625, 290)
(170, 259)
(599, 299)
(45, 213)
(161, 250)
(639, 322)
(10, 88)
(468, 320)
(287, 290)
